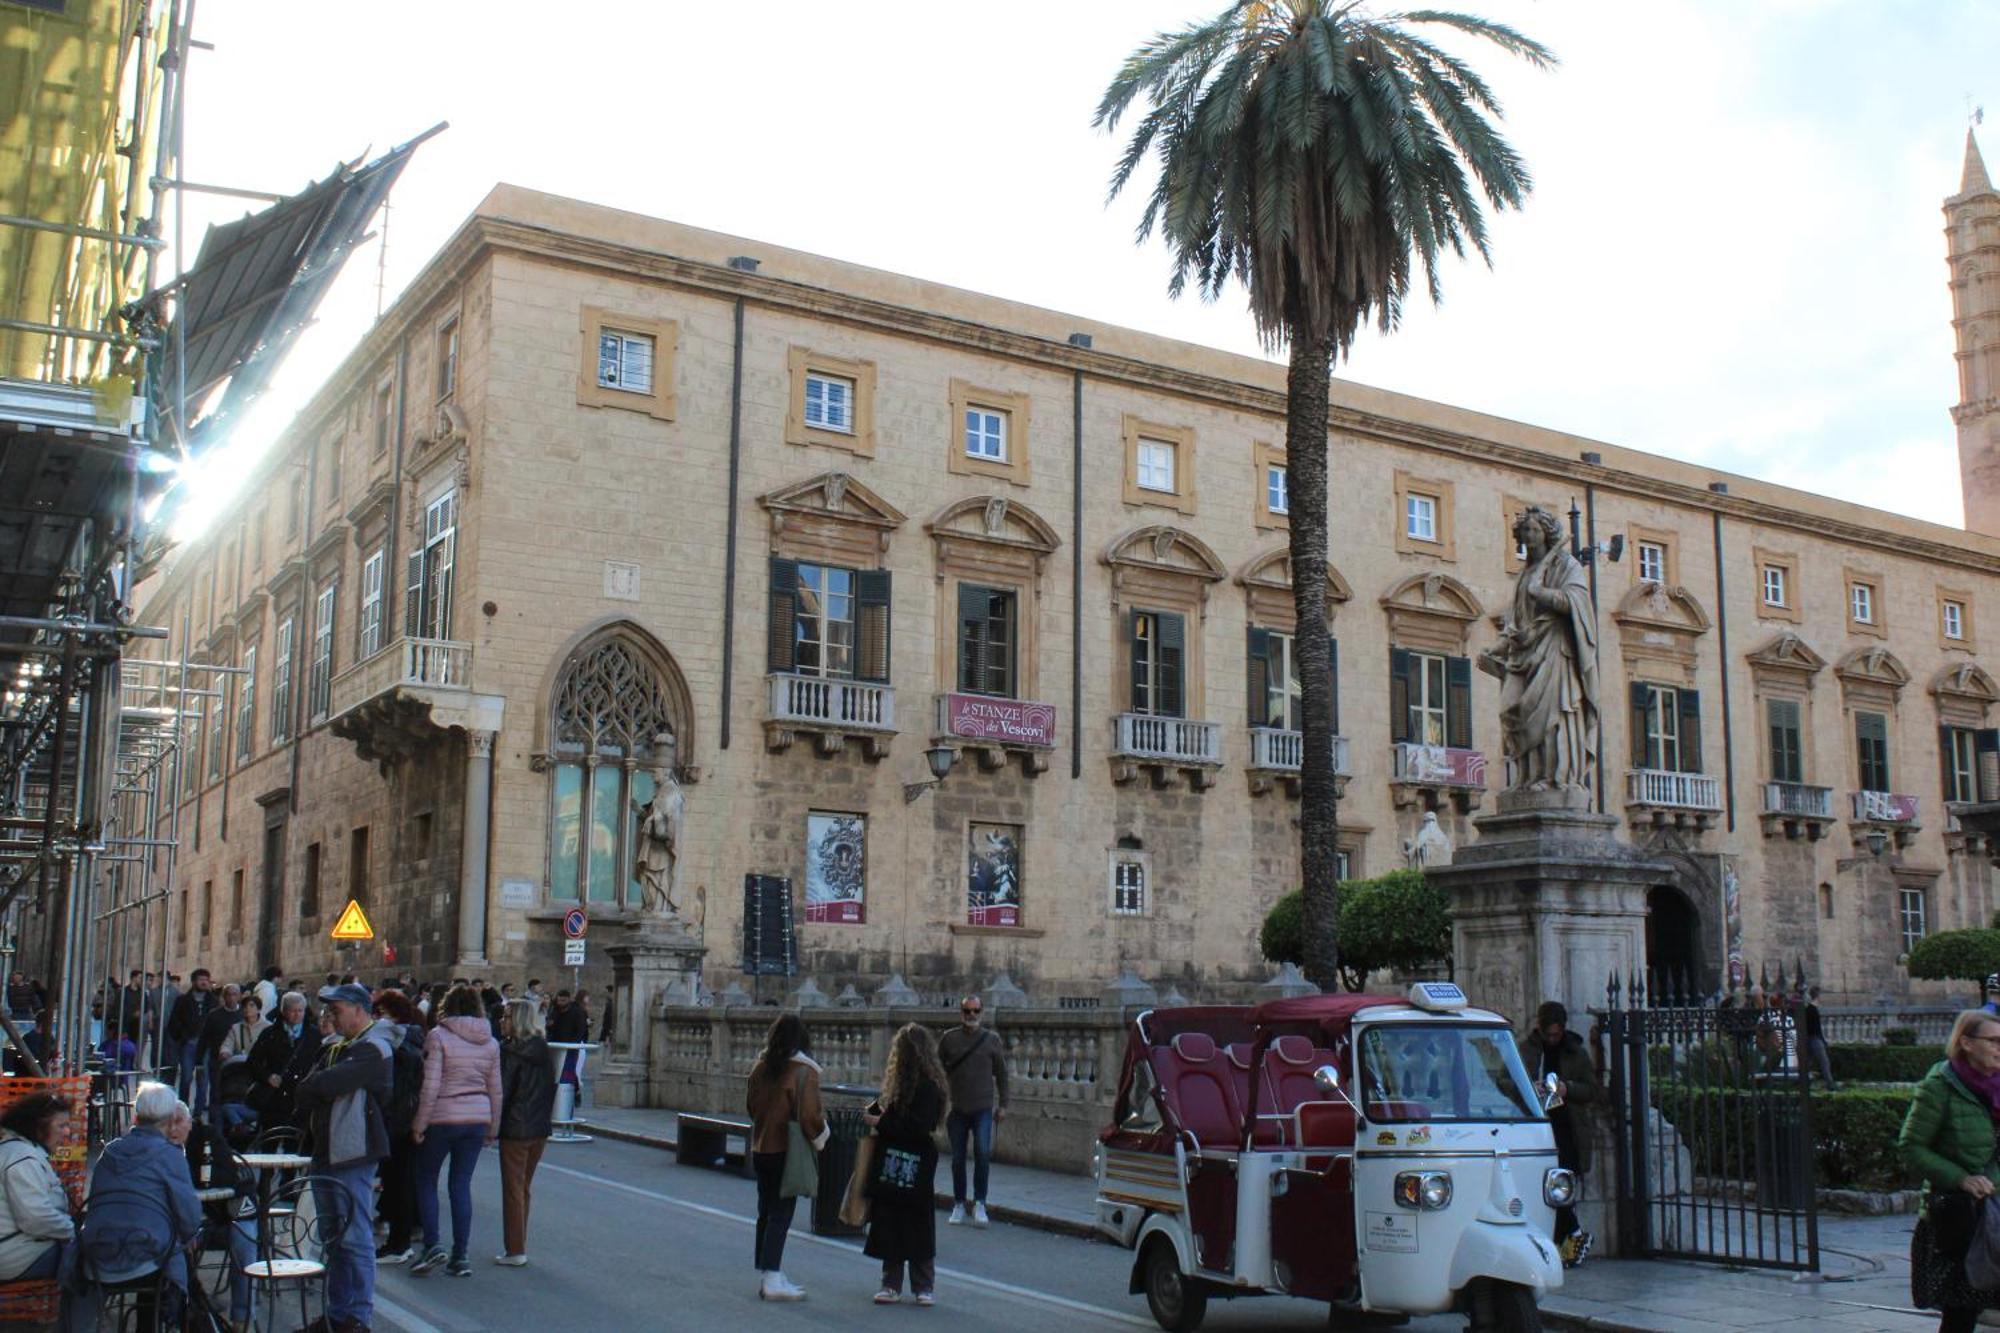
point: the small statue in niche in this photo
(659, 828)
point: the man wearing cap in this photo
(1992, 990)
(1553, 1049)
(343, 1101)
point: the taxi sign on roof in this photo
(353, 924)
(1438, 996)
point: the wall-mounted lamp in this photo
(940, 758)
(1878, 841)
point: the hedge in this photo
(1955, 955)
(1399, 921)
(1854, 1133)
(1865, 1062)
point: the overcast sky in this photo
(1733, 254)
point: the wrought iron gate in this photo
(1714, 1130)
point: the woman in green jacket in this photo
(1948, 1143)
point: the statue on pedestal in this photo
(659, 829)
(1546, 662)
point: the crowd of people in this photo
(388, 1089)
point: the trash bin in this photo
(843, 1104)
(1784, 1157)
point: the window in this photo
(1128, 887)
(1959, 750)
(608, 712)
(236, 904)
(1780, 596)
(1826, 901)
(385, 419)
(319, 692)
(986, 434)
(1159, 465)
(829, 621)
(1159, 662)
(624, 361)
(309, 894)
(447, 360)
(1276, 500)
(986, 640)
(1274, 680)
(281, 683)
(1954, 620)
(357, 863)
(1430, 699)
(295, 501)
(1915, 916)
(1871, 751)
(1652, 558)
(1420, 517)
(1156, 466)
(1861, 600)
(1787, 740)
(1271, 490)
(1343, 867)
(246, 704)
(370, 640)
(187, 913)
(256, 523)
(207, 907)
(428, 573)
(218, 708)
(1666, 728)
(830, 403)
(333, 449)
(1774, 585)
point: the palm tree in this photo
(1312, 150)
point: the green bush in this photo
(1283, 938)
(1399, 921)
(1893, 1063)
(1899, 1036)
(1854, 1132)
(1956, 955)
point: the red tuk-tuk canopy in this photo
(1331, 1013)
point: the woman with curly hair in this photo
(902, 1218)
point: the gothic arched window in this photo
(610, 723)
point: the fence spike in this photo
(1611, 990)
(1798, 975)
(1638, 992)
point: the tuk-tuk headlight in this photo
(1559, 1187)
(1426, 1190)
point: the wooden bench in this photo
(704, 1141)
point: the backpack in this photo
(406, 1089)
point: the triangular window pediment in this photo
(1662, 606)
(1967, 681)
(1873, 666)
(834, 495)
(1164, 549)
(1273, 570)
(1434, 595)
(1787, 653)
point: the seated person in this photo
(36, 1207)
(141, 1204)
(230, 1224)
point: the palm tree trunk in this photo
(1307, 391)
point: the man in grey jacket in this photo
(343, 1099)
(975, 1064)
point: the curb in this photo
(1000, 1212)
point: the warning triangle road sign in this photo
(353, 924)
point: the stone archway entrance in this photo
(1673, 939)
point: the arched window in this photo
(610, 723)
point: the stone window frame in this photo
(1966, 641)
(1013, 407)
(1143, 859)
(803, 361)
(1877, 626)
(382, 416)
(1669, 542)
(1268, 456)
(1182, 498)
(1143, 586)
(1445, 494)
(660, 403)
(1872, 681)
(1793, 607)
(1511, 508)
(447, 325)
(1009, 553)
(1785, 670)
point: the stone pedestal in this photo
(1547, 904)
(653, 962)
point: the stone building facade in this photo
(604, 498)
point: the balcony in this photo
(1276, 753)
(991, 729)
(406, 696)
(1429, 776)
(1893, 815)
(1167, 748)
(1658, 797)
(833, 710)
(1796, 810)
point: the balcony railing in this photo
(1277, 750)
(1798, 800)
(1438, 765)
(1679, 791)
(435, 664)
(825, 701)
(1884, 807)
(1170, 740)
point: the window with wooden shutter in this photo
(1259, 664)
(1787, 740)
(1690, 730)
(1959, 759)
(1400, 667)
(1458, 703)
(281, 683)
(413, 594)
(1158, 642)
(871, 595)
(1986, 751)
(1871, 751)
(1333, 669)
(986, 636)
(1640, 696)
(779, 656)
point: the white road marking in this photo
(1027, 1295)
(408, 1320)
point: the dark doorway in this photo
(272, 875)
(1673, 940)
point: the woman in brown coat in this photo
(784, 1085)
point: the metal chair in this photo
(125, 1242)
(307, 1216)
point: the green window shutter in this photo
(782, 616)
(1986, 751)
(1139, 649)
(1259, 674)
(413, 595)
(871, 625)
(1173, 664)
(1787, 749)
(1003, 648)
(1690, 756)
(1333, 670)
(1642, 745)
(1945, 772)
(1401, 667)
(1458, 702)
(1871, 744)
(971, 637)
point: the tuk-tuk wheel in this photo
(1503, 1307)
(1177, 1301)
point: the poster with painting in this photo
(836, 868)
(993, 875)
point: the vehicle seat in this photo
(1201, 1091)
(1326, 1124)
(1289, 1067)
(1271, 1118)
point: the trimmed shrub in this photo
(1867, 1063)
(1399, 921)
(1899, 1036)
(1955, 955)
(1854, 1132)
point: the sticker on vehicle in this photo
(1386, 1139)
(1420, 1137)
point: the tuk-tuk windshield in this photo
(1442, 1072)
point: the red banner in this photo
(975, 717)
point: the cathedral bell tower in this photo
(1972, 234)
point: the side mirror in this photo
(1327, 1079)
(1551, 1090)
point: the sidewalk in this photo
(1864, 1285)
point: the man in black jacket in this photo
(190, 1011)
(214, 1029)
(343, 1100)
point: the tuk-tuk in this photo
(1387, 1156)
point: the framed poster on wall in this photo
(993, 875)
(836, 868)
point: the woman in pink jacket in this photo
(458, 1114)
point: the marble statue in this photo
(1546, 662)
(1430, 848)
(660, 837)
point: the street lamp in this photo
(940, 758)
(1878, 841)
